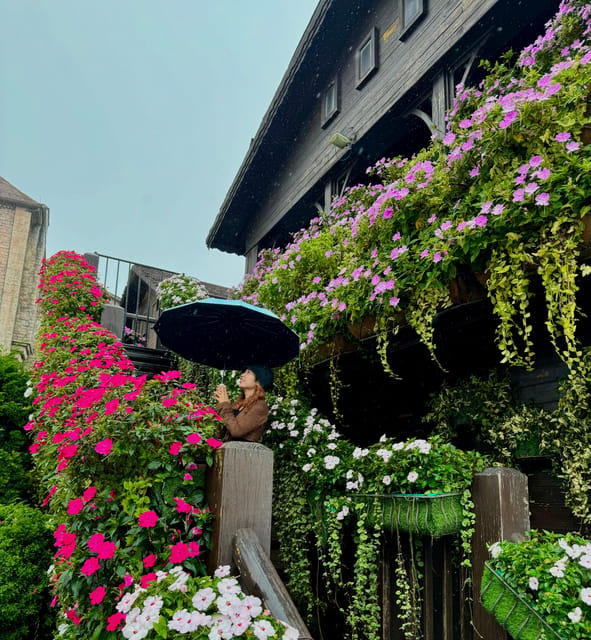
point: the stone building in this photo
(23, 230)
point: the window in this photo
(367, 57)
(412, 10)
(330, 102)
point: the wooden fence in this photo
(239, 491)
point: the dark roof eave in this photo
(213, 241)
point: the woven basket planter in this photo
(513, 613)
(425, 515)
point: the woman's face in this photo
(247, 380)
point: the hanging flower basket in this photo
(511, 611)
(433, 515)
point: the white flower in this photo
(253, 606)
(311, 451)
(425, 447)
(352, 486)
(124, 605)
(62, 628)
(222, 628)
(397, 446)
(291, 634)
(384, 454)
(228, 604)
(360, 453)
(222, 571)
(28, 392)
(585, 561)
(152, 605)
(228, 586)
(294, 433)
(307, 467)
(557, 570)
(575, 615)
(330, 462)
(349, 474)
(332, 446)
(412, 476)
(533, 583)
(386, 480)
(383, 438)
(495, 550)
(262, 629)
(203, 598)
(343, 512)
(135, 629)
(586, 595)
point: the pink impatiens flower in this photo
(175, 447)
(148, 519)
(104, 446)
(193, 438)
(97, 596)
(75, 506)
(179, 552)
(90, 566)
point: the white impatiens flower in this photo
(228, 586)
(343, 513)
(412, 476)
(203, 598)
(383, 438)
(331, 445)
(307, 467)
(222, 571)
(585, 561)
(252, 606)
(586, 595)
(330, 462)
(384, 454)
(291, 634)
(359, 453)
(533, 583)
(311, 451)
(575, 615)
(495, 550)
(126, 602)
(222, 628)
(397, 446)
(263, 629)
(387, 480)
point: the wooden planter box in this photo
(433, 515)
(513, 613)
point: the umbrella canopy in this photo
(227, 334)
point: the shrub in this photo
(25, 554)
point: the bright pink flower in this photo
(97, 596)
(111, 406)
(90, 566)
(51, 492)
(175, 447)
(148, 519)
(150, 561)
(182, 506)
(107, 550)
(104, 446)
(145, 580)
(213, 443)
(194, 548)
(75, 506)
(179, 552)
(95, 542)
(115, 620)
(187, 477)
(193, 438)
(168, 402)
(89, 494)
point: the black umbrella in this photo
(227, 334)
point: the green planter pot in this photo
(511, 611)
(425, 515)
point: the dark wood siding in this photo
(401, 65)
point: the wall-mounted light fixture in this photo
(342, 139)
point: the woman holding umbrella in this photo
(246, 417)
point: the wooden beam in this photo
(259, 577)
(239, 491)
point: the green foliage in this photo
(25, 555)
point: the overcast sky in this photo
(130, 118)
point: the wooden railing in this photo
(239, 491)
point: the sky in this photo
(129, 119)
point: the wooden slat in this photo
(259, 577)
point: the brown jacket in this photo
(249, 424)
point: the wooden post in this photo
(239, 491)
(502, 513)
(259, 577)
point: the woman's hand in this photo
(221, 394)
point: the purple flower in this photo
(532, 187)
(465, 124)
(542, 174)
(520, 180)
(508, 119)
(480, 221)
(396, 236)
(449, 138)
(425, 253)
(431, 220)
(437, 257)
(485, 208)
(394, 301)
(446, 225)
(562, 137)
(387, 213)
(535, 161)
(543, 199)
(572, 146)
(519, 195)
(474, 172)
(498, 209)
